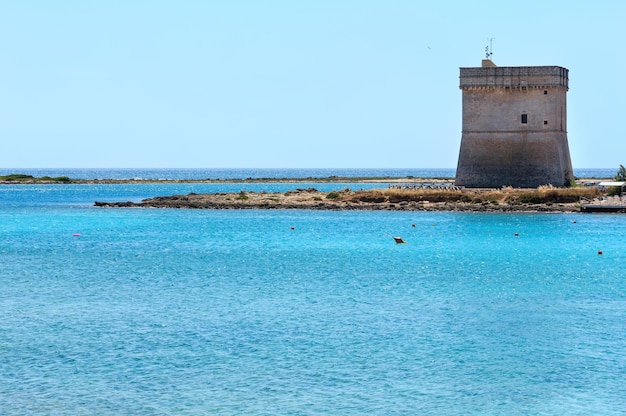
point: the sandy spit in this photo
(315, 200)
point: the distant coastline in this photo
(216, 174)
(28, 179)
(14, 179)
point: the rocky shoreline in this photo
(345, 200)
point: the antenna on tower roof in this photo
(489, 48)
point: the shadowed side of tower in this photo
(514, 127)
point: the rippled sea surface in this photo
(158, 312)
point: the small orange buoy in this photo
(599, 251)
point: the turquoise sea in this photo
(296, 312)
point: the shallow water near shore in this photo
(306, 312)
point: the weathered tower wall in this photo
(514, 127)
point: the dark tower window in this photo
(545, 92)
(545, 122)
(524, 118)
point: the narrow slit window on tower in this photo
(545, 92)
(545, 122)
(524, 118)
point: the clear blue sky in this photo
(282, 84)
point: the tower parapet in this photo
(514, 126)
(514, 77)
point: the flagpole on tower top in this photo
(489, 48)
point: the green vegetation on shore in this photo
(18, 177)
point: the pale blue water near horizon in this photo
(158, 312)
(213, 173)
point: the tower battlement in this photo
(514, 77)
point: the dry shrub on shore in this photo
(507, 195)
(408, 195)
(550, 194)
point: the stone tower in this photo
(514, 127)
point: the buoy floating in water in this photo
(399, 240)
(599, 251)
(75, 235)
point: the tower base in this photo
(517, 159)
